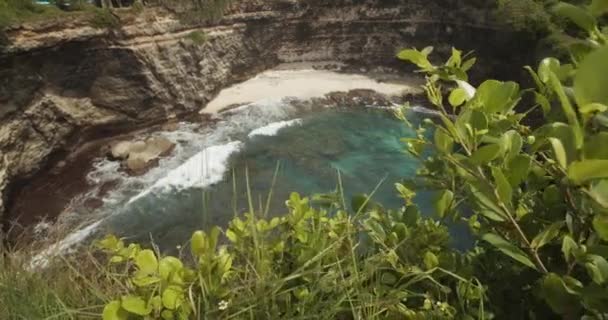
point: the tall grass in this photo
(73, 287)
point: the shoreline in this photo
(54, 188)
(306, 81)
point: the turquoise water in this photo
(362, 144)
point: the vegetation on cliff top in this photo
(535, 198)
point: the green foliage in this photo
(15, 11)
(104, 19)
(525, 15)
(530, 191)
(196, 11)
(322, 261)
(197, 37)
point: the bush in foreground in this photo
(322, 263)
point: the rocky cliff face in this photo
(62, 83)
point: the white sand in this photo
(302, 82)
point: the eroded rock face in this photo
(58, 82)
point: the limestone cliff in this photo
(62, 82)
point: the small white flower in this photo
(223, 305)
(178, 247)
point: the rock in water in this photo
(120, 151)
(139, 156)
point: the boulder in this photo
(139, 156)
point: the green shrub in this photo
(525, 15)
(538, 195)
(197, 37)
(369, 264)
(138, 6)
(14, 11)
(104, 19)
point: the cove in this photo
(362, 144)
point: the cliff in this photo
(62, 83)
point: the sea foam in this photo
(202, 170)
(274, 128)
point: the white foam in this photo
(274, 128)
(202, 170)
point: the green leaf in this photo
(593, 108)
(518, 168)
(169, 265)
(167, 315)
(214, 235)
(172, 297)
(146, 262)
(485, 154)
(376, 231)
(597, 268)
(543, 102)
(569, 248)
(443, 202)
(404, 192)
(497, 96)
(232, 236)
(455, 59)
(135, 305)
(557, 295)
(224, 263)
(599, 193)
(600, 225)
(457, 97)
(547, 66)
(582, 171)
(591, 79)
(595, 146)
(509, 249)
(513, 142)
(567, 108)
(198, 243)
(503, 187)
(598, 7)
(443, 141)
(430, 260)
(559, 152)
(143, 280)
(547, 235)
(487, 207)
(578, 15)
(470, 123)
(110, 243)
(468, 64)
(419, 58)
(113, 311)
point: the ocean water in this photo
(272, 145)
(303, 155)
